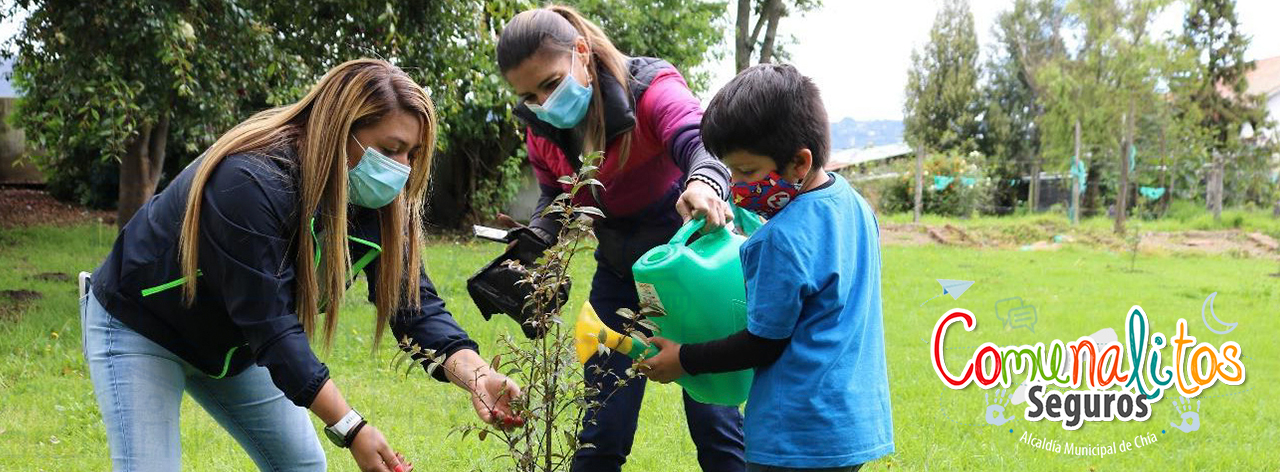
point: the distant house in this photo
(1264, 80)
(869, 156)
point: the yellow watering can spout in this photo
(589, 332)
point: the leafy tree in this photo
(116, 80)
(135, 77)
(941, 94)
(768, 13)
(685, 33)
(1212, 33)
(1108, 83)
(1027, 37)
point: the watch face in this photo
(336, 438)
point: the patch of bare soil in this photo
(1235, 243)
(20, 207)
(1231, 242)
(14, 302)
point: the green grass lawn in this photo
(50, 419)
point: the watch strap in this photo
(346, 427)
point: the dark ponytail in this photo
(558, 27)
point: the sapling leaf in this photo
(639, 338)
(650, 325)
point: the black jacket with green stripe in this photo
(244, 307)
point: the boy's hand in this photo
(665, 366)
(699, 199)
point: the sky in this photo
(858, 51)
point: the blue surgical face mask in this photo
(567, 104)
(376, 180)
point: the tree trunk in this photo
(1122, 190)
(773, 11)
(1033, 192)
(1075, 185)
(140, 168)
(1163, 202)
(919, 203)
(1092, 189)
(1215, 185)
(742, 50)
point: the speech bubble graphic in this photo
(1023, 316)
(1016, 314)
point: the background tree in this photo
(1108, 83)
(941, 96)
(767, 13)
(114, 81)
(1212, 33)
(135, 77)
(1027, 37)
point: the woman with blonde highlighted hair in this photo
(218, 284)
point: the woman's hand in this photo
(491, 392)
(700, 199)
(492, 397)
(369, 448)
(372, 453)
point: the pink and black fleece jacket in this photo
(664, 119)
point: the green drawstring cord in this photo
(226, 363)
(166, 286)
(374, 251)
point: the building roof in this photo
(1265, 78)
(847, 157)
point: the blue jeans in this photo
(752, 467)
(716, 430)
(139, 387)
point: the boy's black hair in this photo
(770, 110)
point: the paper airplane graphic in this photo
(955, 288)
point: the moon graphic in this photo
(1208, 302)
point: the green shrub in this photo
(956, 198)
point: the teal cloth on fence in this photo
(1080, 172)
(941, 182)
(1153, 193)
(968, 181)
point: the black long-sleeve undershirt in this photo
(739, 351)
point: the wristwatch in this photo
(344, 431)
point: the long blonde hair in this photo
(351, 96)
(559, 26)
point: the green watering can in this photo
(700, 286)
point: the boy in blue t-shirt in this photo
(815, 333)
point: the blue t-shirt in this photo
(813, 274)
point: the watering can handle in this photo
(688, 230)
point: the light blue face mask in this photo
(567, 104)
(376, 180)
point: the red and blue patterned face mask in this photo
(765, 197)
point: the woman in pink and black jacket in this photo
(579, 94)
